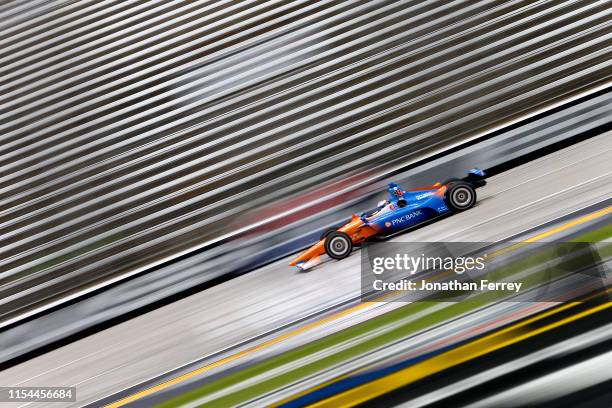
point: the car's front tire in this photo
(326, 233)
(338, 245)
(460, 196)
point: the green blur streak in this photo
(362, 329)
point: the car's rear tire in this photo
(460, 196)
(450, 180)
(338, 245)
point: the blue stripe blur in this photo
(359, 379)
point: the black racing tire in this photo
(460, 196)
(338, 245)
(326, 233)
(450, 180)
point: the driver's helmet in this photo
(397, 192)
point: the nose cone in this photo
(314, 251)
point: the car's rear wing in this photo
(476, 177)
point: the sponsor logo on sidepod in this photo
(423, 195)
(406, 217)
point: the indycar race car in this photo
(403, 210)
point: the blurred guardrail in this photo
(134, 132)
(264, 244)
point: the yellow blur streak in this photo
(323, 321)
(553, 231)
(238, 355)
(498, 340)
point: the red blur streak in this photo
(311, 196)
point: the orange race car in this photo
(404, 210)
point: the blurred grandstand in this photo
(135, 132)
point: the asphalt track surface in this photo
(213, 322)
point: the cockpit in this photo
(383, 207)
(397, 200)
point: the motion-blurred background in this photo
(151, 150)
